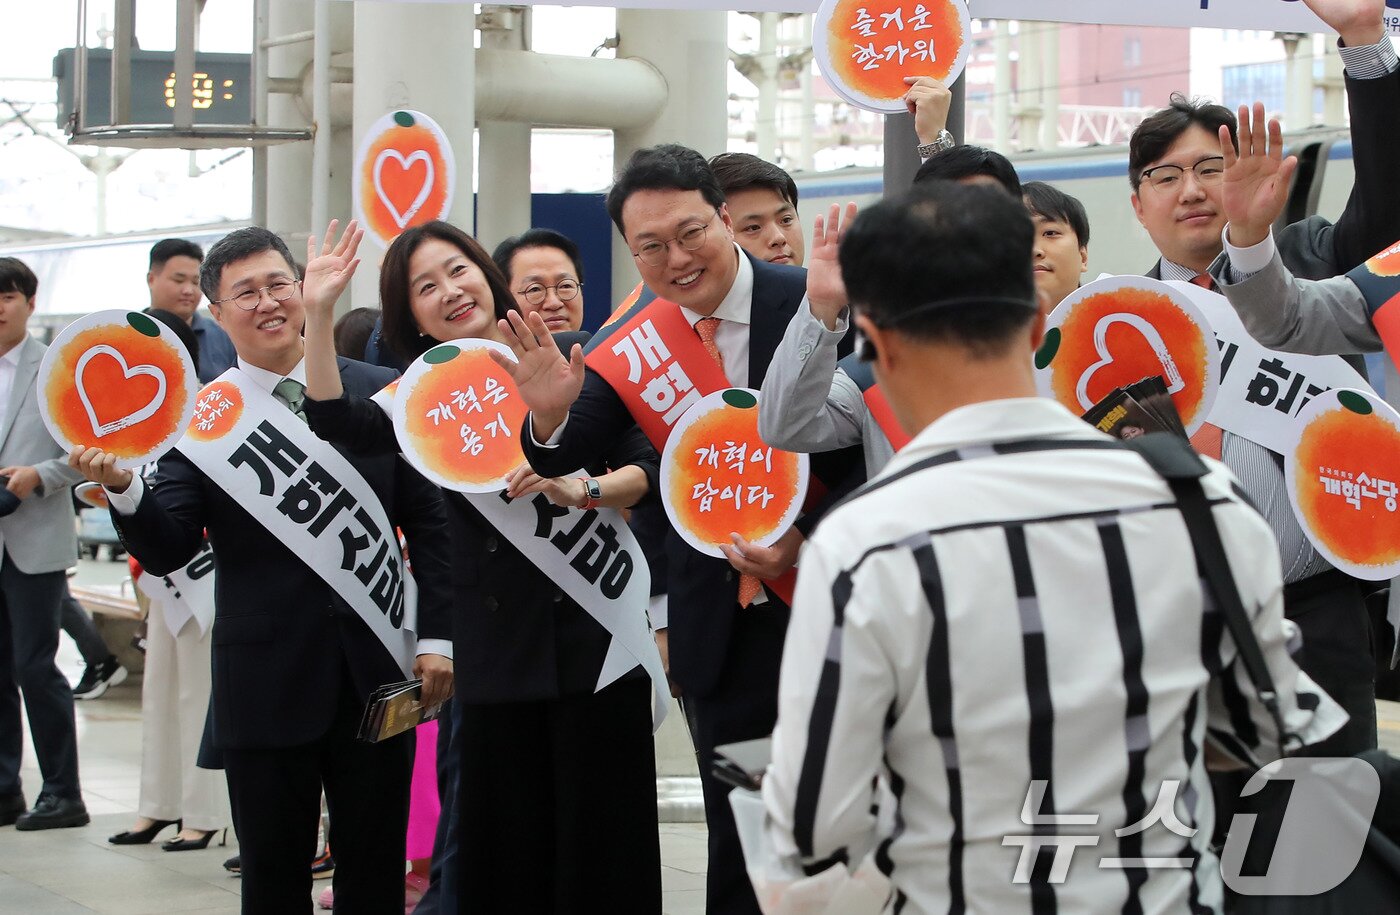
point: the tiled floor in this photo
(64, 871)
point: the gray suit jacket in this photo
(39, 535)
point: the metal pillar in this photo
(287, 207)
(503, 203)
(1050, 86)
(420, 56)
(807, 145)
(690, 50)
(1001, 100)
(766, 124)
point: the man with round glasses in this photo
(545, 272)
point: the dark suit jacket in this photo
(519, 636)
(283, 641)
(703, 591)
(1315, 249)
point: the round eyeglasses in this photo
(565, 290)
(248, 299)
(691, 237)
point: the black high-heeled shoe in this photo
(143, 836)
(179, 844)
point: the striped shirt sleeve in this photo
(1370, 61)
(835, 694)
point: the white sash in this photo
(595, 559)
(308, 496)
(184, 594)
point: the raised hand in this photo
(547, 381)
(329, 269)
(1359, 22)
(928, 101)
(826, 289)
(100, 467)
(1257, 180)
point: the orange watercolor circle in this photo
(405, 174)
(1387, 263)
(865, 48)
(463, 420)
(89, 410)
(720, 477)
(217, 410)
(1344, 445)
(1133, 357)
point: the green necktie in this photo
(293, 394)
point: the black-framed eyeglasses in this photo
(691, 237)
(248, 299)
(566, 290)
(1208, 171)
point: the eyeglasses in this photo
(1208, 171)
(691, 237)
(247, 300)
(566, 290)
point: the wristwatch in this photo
(942, 143)
(592, 493)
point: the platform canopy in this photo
(1263, 15)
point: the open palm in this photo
(1257, 180)
(826, 288)
(548, 383)
(329, 271)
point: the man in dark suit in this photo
(724, 650)
(1176, 167)
(293, 662)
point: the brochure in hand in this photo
(1142, 407)
(393, 709)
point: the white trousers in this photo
(174, 703)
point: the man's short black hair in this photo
(235, 246)
(963, 162)
(1054, 204)
(1155, 135)
(15, 276)
(537, 238)
(668, 167)
(939, 242)
(167, 248)
(736, 171)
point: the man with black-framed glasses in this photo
(1176, 168)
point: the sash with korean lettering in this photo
(875, 401)
(590, 554)
(654, 360)
(308, 496)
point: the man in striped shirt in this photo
(1007, 623)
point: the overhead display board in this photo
(1265, 15)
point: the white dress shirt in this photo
(9, 368)
(735, 312)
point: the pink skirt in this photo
(424, 805)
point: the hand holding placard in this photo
(928, 101)
(1257, 180)
(1359, 22)
(100, 467)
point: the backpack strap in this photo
(1182, 468)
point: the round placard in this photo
(1343, 469)
(405, 174)
(1121, 329)
(457, 415)
(719, 477)
(92, 495)
(865, 48)
(120, 381)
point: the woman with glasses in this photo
(545, 273)
(556, 801)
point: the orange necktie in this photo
(1204, 280)
(706, 327)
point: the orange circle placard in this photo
(458, 417)
(405, 174)
(1387, 263)
(1344, 481)
(865, 48)
(120, 381)
(719, 477)
(1121, 329)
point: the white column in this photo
(289, 164)
(420, 56)
(690, 50)
(766, 126)
(1001, 98)
(503, 207)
